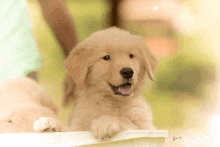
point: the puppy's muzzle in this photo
(127, 73)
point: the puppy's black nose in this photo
(127, 73)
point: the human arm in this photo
(60, 20)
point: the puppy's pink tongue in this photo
(125, 90)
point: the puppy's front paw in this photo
(104, 127)
(46, 124)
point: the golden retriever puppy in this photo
(25, 106)
(106, 73)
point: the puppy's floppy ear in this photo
(77, 63)
(150, 62)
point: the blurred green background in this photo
(184, 83)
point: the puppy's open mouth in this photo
(124, 89)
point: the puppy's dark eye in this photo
(107, 57)
(131, 56)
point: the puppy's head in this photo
(112, 62)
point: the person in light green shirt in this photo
(19, 55)
(18, 49)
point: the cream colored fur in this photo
(97, 108)
(23, 104)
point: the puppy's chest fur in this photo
(110, 106)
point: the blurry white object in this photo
(136, 138)
(214, 125)
(173, 11)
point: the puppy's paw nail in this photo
(46, 124)
(45, 129)
(106, 137)
(53, 129)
